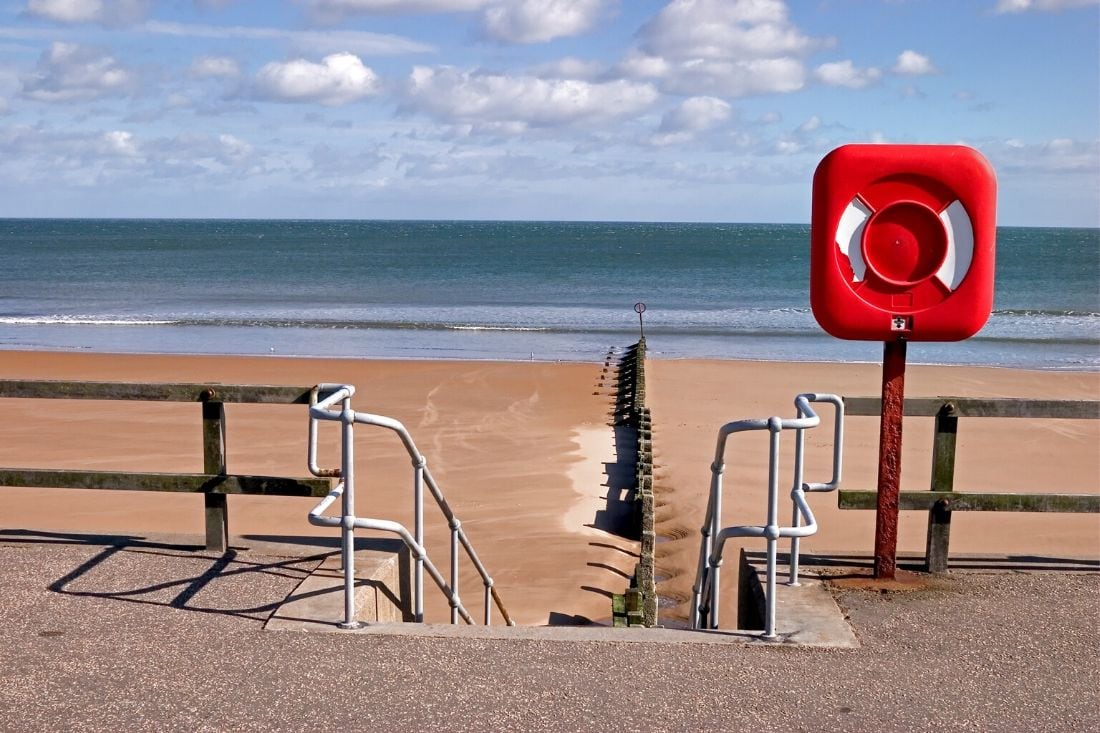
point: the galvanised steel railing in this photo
(705, 596)
(348, 522)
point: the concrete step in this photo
(805, 614)
(382, 590)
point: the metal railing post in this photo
(771, 531)
(705, 597)
(714, 575)
(418, 534)
(454, 571)
(796, 518)
(324, 410)
(347, 525)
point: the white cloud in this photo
(637, 65)
(538, 21)
(512, 104)
(233, 148)
(121, 142)
(1060, 156)
(484, 164)
(569, 68)
(88, 11)
(845, 74)
(335, 9)
(734, 78)
(696, 115)
(722, 48)
(911, 63)
(810, 125)
(361, 42)
(723, 29)
(807, 137)
(692, 117)
(339, 79)
(207, 67)
(510, 21)
(69, 72)
(1020, 6)
(66, 11)
(57, 158)
(332, 165)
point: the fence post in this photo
(943, 479)
(213, 459)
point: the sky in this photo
(610, 110)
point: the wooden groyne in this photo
(637, 606)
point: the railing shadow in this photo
(210, 568)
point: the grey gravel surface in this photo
(98, 638)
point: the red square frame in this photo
(902, 242)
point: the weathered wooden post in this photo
(213, 455)
(943, 479)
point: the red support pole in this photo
(889, 458)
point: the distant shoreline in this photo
(428, 356)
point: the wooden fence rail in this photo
(214, 483)
(942, 499)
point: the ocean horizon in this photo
(499, 290)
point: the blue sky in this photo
(675, 110)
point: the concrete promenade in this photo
(158, 636)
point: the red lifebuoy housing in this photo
(902, 242)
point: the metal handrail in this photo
(325, 409)
(705, 595)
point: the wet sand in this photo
(523, 452)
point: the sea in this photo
(500, 290)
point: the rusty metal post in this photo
(889, 458)
(213, 459)
(943, 479)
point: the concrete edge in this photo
(603, 634)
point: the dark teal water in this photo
(498, 290)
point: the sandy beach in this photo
(691, 399)
(523, 452)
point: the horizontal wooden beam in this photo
(973, 407)
(155, 392)
(980, 502)
(201, 483)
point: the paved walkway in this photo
(160, 637)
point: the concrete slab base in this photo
(382, 591)
(805, 614)
(606, 634)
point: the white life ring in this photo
(958, 231)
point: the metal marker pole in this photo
(889, 458)
(639, 308)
